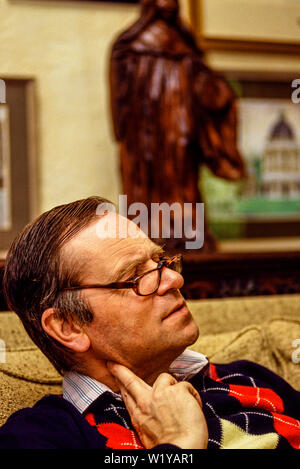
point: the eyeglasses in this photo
(145, 284)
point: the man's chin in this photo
(181, 328)
(186, 340)
(189, 334)
(194, 334)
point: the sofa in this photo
(262, 329)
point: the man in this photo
(104, 305)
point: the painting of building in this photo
(269, 140)
(281, 162)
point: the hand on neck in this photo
(101, 373)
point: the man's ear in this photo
(65, 331)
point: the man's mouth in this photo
(180, 306)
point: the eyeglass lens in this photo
(149, 283)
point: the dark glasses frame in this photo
(134, 283)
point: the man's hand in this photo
(167, 412)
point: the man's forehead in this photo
(108, 230)
(110, 253)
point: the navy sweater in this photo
(245, 405)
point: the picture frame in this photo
(218, 31)
(5, 195)
(268, 215)
(19, 159)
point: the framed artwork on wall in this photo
(267, 203)
(18, 159)
(5, 195)
(246, 28)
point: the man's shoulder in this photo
(47, 405)
(250, 368)
(246, 373)
(241, 371)
(52, 423)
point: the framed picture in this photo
(246, 28)
(5, 195)
(18, 159)
(267, 203)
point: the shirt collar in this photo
(82, 391)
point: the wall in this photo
(65, 46)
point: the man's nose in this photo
(170, 280)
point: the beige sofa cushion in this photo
(26, 375)
(249, 343)
(233, 314)
(282, 333)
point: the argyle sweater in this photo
(245, 405)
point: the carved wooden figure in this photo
(170, 112)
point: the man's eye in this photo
(145, 267)
(132, 277)
(139, 270)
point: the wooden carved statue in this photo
(170, 112)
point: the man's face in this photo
(132, 330)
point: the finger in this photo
(190, 388)
(135, 414)
(129, 401)
(163, 381)
(132, 383)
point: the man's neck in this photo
(148, 374)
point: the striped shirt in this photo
(82, 391)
